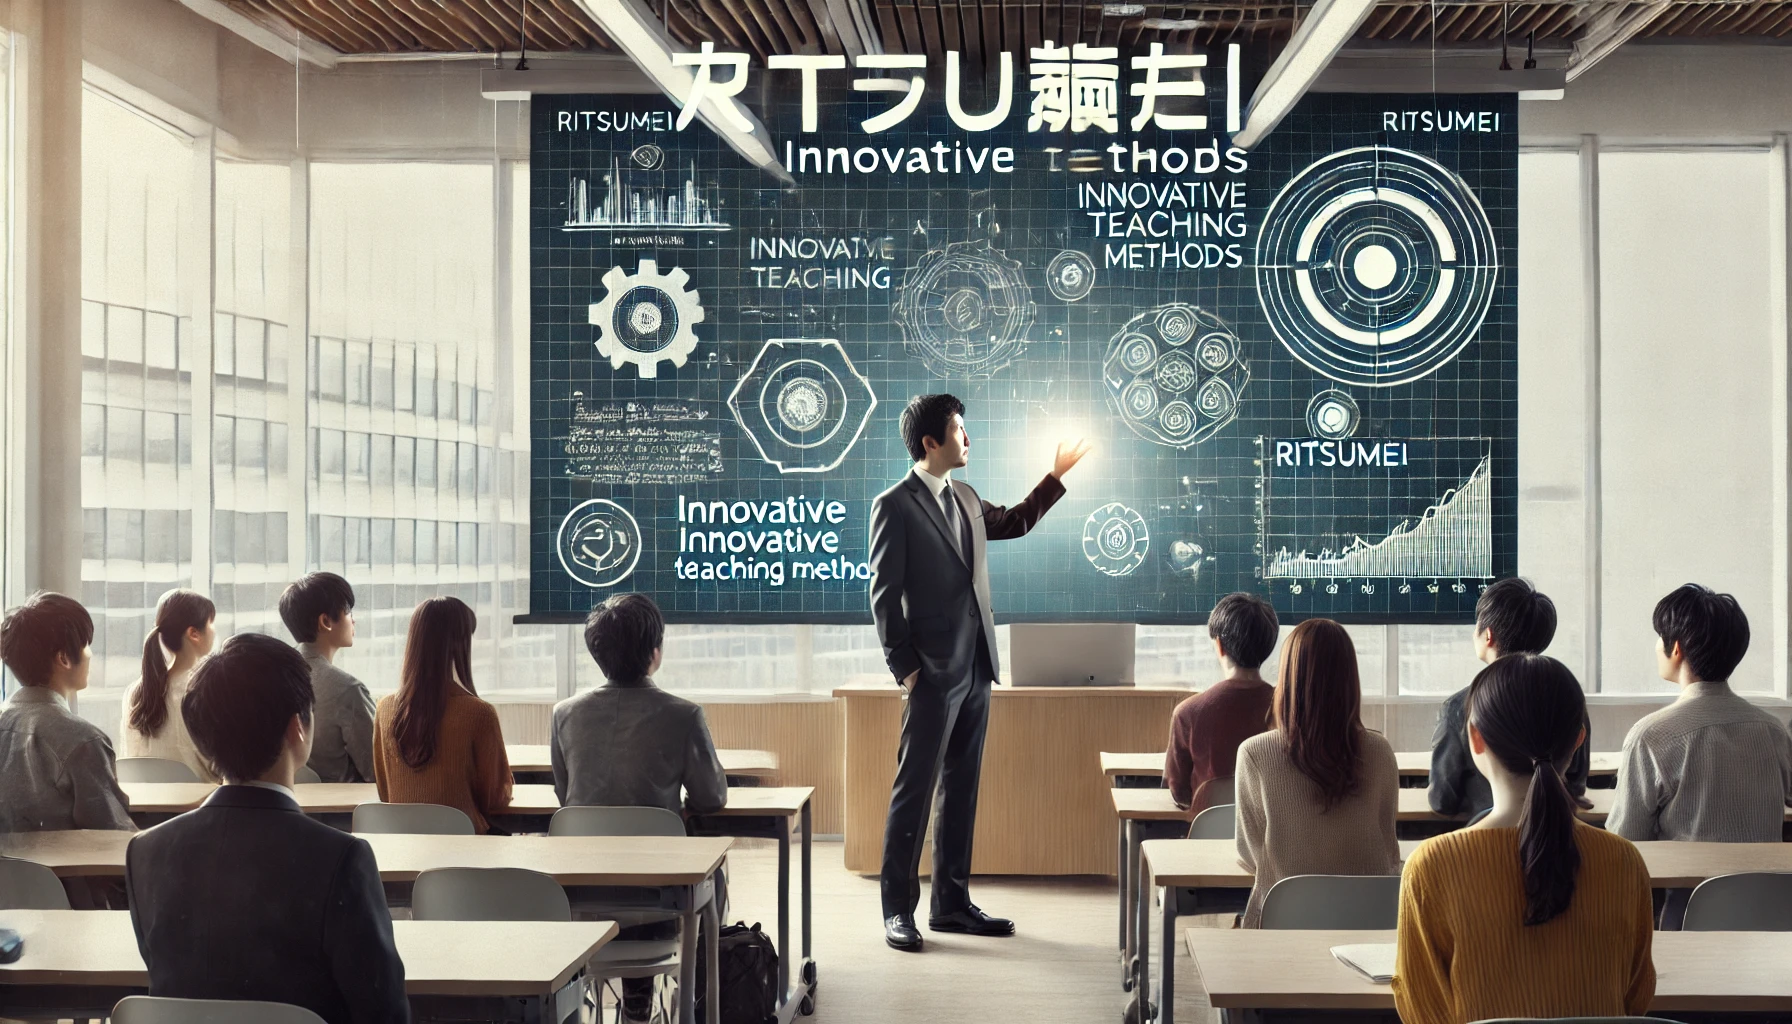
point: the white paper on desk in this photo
(1372, 960)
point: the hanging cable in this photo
(522, 33)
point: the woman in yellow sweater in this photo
(435, 741)
(1529, 912)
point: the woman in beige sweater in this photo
(1316, 794)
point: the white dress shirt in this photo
(936, 485)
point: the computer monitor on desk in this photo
(1071, 654)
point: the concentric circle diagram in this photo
(1070, 275)
(1175, 374)
(645, 318)
(965, 310)
(1376, 266)
(803, 404)
(599, 543)
(1332, 414)
(1115, 539)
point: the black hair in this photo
(1709, 627)
(34, 633)
(240, 702)
(1246, 626)
(1530, 710)
(314, 594)
(928, 416)
(1520, 618)
(177, 612)
(622, 634)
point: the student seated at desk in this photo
(1710, 767)
(1529, 912)
(1511, 617)
(1317, 795)
(152, 725)
(246, 897)
(435, 741)
(1206, 729)
(629, 743)
(319, 611)
(57, 771)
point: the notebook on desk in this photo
(1372, 960)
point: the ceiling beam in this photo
(1328, 26)
(1611, 28)
(640, 35)
(279, 39)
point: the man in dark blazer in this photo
(246, 897)
(930, 599)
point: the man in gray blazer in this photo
(930, 599)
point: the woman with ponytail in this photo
(1529, 912)
(152, 724)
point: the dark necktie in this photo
(955, 522)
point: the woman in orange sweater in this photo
(1529, 912)
(435, 741)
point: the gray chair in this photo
(1219, 822)
(1341, 902)
(1752, 901)
(154, 769)
(160, 1010)
(626, 906)
(410, 819)
(1570, 1020)
(1213, 793)
(306, 777)
(26, 885)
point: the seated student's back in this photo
(1529, 912)
(247, 897)
(1207, 728)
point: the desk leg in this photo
(1166, 971)
(687, 954)
(783, 909)
(1131, 834)
(712, 963)
(1120, 881)
(1141, 981)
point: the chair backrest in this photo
(1340, 902)
(160, 1010)
(1753, 901)
(1215, 823)
(1213, 793)
(26, 885)
(615, 821)
(1569, 1020)
(411, 819)
(154, 769)
(488, 894)
(306, 776)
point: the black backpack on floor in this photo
(748, 965)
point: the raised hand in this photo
(1069, 454)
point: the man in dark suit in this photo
(930, 598)
(246, 897)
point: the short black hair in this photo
(315, 593)
(928, 416)
(1246, 626)
(240, 702)
(622, 634)
(34, 633)
(1521, 618)
(1709, 627)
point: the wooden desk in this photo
(1723, 972)
(1413, 764)
(1041, 810)
(93, 954)
(1156, 805)
(532, 759)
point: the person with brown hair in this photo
(1318, 793)
(435, 741)
(152, 725)
(1529, 912)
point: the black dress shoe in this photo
(900, 932)
(971, 920)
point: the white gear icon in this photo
(645, 318)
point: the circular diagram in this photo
(1332, 414)
(648, 157)
(599, 543)
(1070, 276)
(1376, 266)
(1175, 375)
(965, 310)
(645, 318)
(1115, 539)
(803, 404)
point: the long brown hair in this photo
(177, 612)
(438, 656)
(1318, 707)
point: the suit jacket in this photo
(247, 898)
(1456, 786)
(930, 607)
(635, 745)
